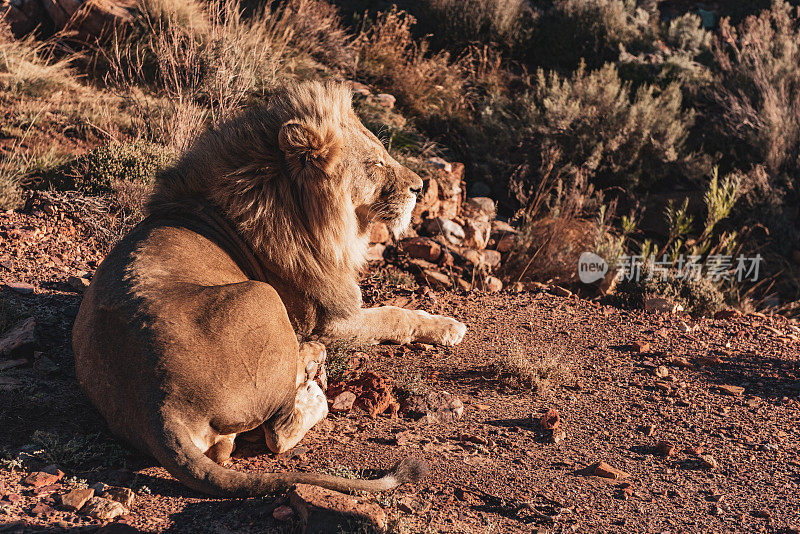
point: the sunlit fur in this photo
(301, 178)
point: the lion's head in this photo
(301, 178)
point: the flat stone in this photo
(103, 509)
(20, 341)
(604, 470)
(124, 496)
(344, 401)
(422, 248)
(40, 478)
(22, 288)
(75, 499)
(733, 391)
(323, 511)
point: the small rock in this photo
(42, 509)
(20, 341)
(733, 391)
(422, 248)
(360, 89)
(493, 285)
(716, 510)
(604, 470)
(648, 430)
(550, 420)
(708, 461)
(406, 505)
(75, 499)
(476, 234)
(640, 346)
(560, 291)
(22, 288)
(558, 436)
(440, 163)
(124, 496)
(77, 283)
(283, 513)
(325, 511)
(661, 371)
(664, 448)
(103, 509)
(762, 514)
(344, 401)
(41, 478)
(385, 100)
(727, 314)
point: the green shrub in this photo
(97, 171)
(601, 129)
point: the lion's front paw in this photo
(441, 330)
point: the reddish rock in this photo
(324, 511)
(283, 513)
(604, 470)
(733, 391)
(375, 252)
(507, 243)
(641, 346)
(550, 420)
(75, 499)
(77, 283)
(492, 258)
(41, 478)
(373, 392)
(422, 248)
(727, 314)
(103, 509)
(42, 509)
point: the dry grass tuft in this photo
(537, 369)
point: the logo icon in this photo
(591, 267)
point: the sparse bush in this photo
(83, 451)
(456, 23)
(518, 368)
(428, 85)
(700, 297)
(601, 128)
(99, 171)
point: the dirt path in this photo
(495, 469)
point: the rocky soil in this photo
(635, 422)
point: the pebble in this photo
(283, 513)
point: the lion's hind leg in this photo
(310, 407)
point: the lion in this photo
(204, 321)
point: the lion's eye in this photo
(379, 164)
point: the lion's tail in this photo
(186, 462)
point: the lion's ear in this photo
(309, 148)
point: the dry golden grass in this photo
(537, 369)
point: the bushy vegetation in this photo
(575, 113)
(100, 170)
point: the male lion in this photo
(188, 334)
